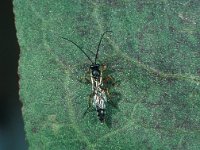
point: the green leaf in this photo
(153, 53)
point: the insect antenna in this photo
(79, 48)
(99, 46)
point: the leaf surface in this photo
(153, 53)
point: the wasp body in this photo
(99, 95)
(99, 98)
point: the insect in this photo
(98, 95)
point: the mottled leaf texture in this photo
(153, 55)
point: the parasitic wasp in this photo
(98, 96)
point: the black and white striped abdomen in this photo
(99, 103)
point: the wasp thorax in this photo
(95, 73)
(95, 70)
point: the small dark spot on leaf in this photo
(127, 100)
(139, 6)
(34, 130)
(151, 16)
(142, 49)
(138, 57)
(80, 18)
(172, 29)
(165, 94)
(115, 122)
(144, 121)
(166, 110)
(140, 36)
(82, 30)
(83, 145)
(157, 126)
(186, 124)
(170, 80)
(129, 44)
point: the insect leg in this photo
(109, 80)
